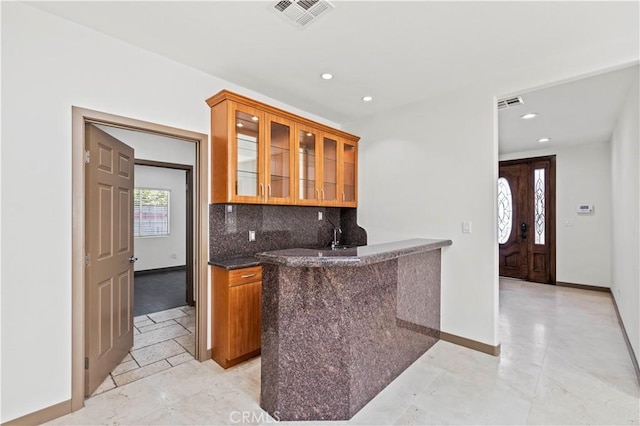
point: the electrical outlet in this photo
(174, 255)
(252, 235)
(319, 215)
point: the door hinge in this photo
(86, 363)
(87, 260)
(87, 157)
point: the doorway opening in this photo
(81, 281)
(163, 234)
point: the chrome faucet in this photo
(336, 240)
(336, 230)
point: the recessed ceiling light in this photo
(367, 98)
(544, 140)
(326, 76)
(529, 116)
(239, 125)
(254, 118)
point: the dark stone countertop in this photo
(354, 256)
(235, 262)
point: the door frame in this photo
(189, 226)
(552, 205)
(81, 116)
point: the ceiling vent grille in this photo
(301, 13)
(510, 102)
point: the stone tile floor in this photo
(161, 340)
(563, 362)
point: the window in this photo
(150, 212)
(505, 209)
(538, 199)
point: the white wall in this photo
(49, 65)
(427, 167)
(159, 252)
(419, 176)
(583, 242)
(625, 195)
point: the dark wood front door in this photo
(526, 219)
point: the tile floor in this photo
(161, 340)
(563, 361)
(159, 291)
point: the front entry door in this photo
(109, 255)
(526, 219)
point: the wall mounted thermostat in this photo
(585, 208)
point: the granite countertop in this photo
(354, 256)
(235, 262)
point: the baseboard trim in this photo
(42, 416)
(632, 354)
(471, 344)
(158, 270)
(583, 286)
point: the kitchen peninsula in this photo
(339, 325)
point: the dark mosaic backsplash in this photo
(277, 227)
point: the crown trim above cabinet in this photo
(261, 154)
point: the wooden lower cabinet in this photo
(237, 314)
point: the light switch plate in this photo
(466, 227)
(252, 235)
(319, 215)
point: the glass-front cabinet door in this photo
(329, 187)
(307, 159)
(348, 158)
(247, 154)
(279, 160)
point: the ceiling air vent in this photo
(301, 13)
(510, 102)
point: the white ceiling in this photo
(398, 52)
(578, 112)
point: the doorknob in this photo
(523, 231)
(133, 259)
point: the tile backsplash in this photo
(277, 227)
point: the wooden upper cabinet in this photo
(247, 154)
(348, 158)
(307, 162)
(329, 166)
(279, 160)
(264, 155)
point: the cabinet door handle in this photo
(317, 194)
(261, 189)
(342, 195)
(269, 188)
(322, 194)
(248, 275)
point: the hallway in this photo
(563, 361)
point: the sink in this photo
(338, 247)
(342, 247)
